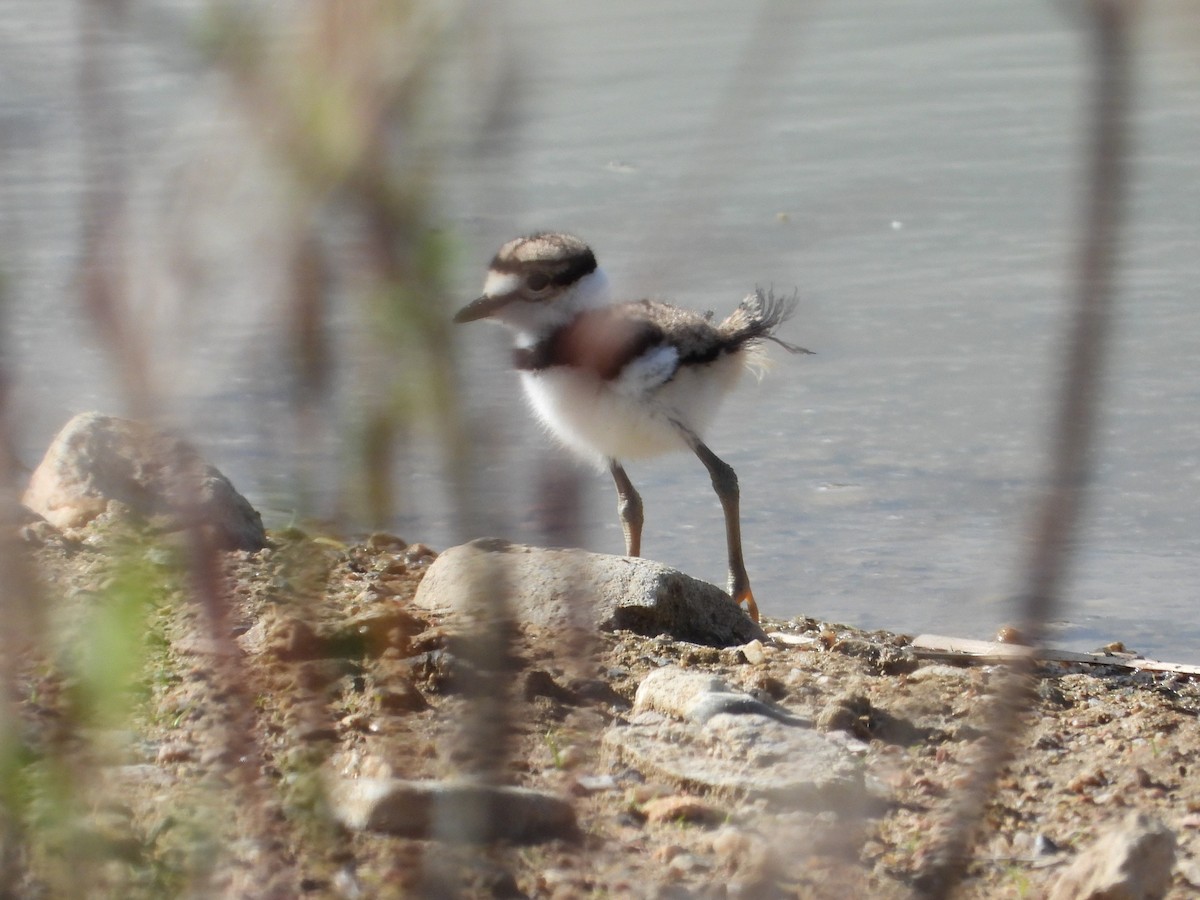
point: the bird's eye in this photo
(538, 282)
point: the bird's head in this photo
(537, 283)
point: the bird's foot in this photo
(747, 596)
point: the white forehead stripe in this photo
(500, 283)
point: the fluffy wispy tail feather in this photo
(755, 321)
(759, 314)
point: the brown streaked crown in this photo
(559, 259)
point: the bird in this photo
(622, 380)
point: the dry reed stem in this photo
(1061, 504)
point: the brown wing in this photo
(601, 341)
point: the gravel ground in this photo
(318, 670)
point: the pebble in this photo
(680, 808)
(174, 753)
(593, 784)
(357, 721)
(381, 540)
(685, 864)
(746, 853)
(419, 554)
(754, 653)
(401, 696)
(938, 671)
(793, 640)
(376, 630)
(850, 713)
(571, 757)
(453, 810)
(1131, 861)
(673, 691)
(691, 731)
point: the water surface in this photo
(911, 169)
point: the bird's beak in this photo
(486, 306)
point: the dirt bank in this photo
(319, 672)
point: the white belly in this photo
(624, 418)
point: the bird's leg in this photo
(725, 483)
(629, 507)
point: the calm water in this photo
(909, 168)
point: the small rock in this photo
(746, 854)
(593, 784)
(763, 685)
(401, 696)
(1010, 634)
(381, 540)
(850, 713)
(1092, 777)
(729, 844)
(138, 779)
(375, 631)
(673, 692)
(174, 752)
(419, 555)
(570, 757)
(709, 705)
(355, 722)
(641, 794)
(1131, 861)
(937, 671)
(318, 674)
(284, 637)
(787, 639)
(683, 864)
(690, 730)
(99, 463)
(34, 530)
(216, 756)
(552, 879)
(312, 732)
(1189, 871)
(454, 811)
(438, 671)
(680, 808)
(596, 690)
(754, 653)
(684, 694)
(539, 683)
(667, 852)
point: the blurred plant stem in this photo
(21, 626)
(341, 106)
(1109, 25)
(334, 95)
(340, 103)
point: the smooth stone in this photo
(456, 811)
(692, 730)
(1131, 861)
(576, 589)
(754, 652)
(743, 756)
(681, 809)
(97, 464)
(685, 694)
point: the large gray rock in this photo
(1131, 861)
(98, 464)
(561, 588)
(694, 731)
(455, 811)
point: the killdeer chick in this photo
(619, 381)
